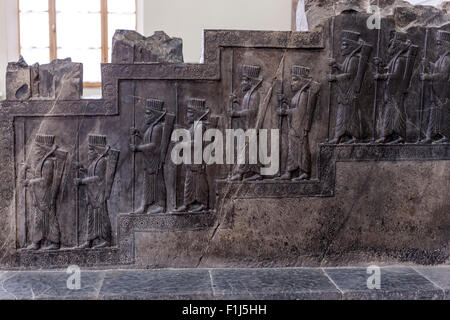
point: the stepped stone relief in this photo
(360, 117)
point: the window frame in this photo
(53, 44)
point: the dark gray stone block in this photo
(158, 284)
(279, 284)
(48, 285)
(131, 47)
(440, 276)
(397, 283)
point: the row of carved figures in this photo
(346, 82)
(396, 75)
(43, 179)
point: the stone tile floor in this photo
(219, 284)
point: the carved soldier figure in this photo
(98, 181)
(300, 113)
(397, 79)
(438, 127)
(154, 148)
(349, 81)
(45, 186)
(247, 113)
(196, 189)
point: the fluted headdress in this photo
(300, 71)
(97, 140)
(197, 105)
(443, 35)
(45, 140)
(155, 104)
(251, 72)
(351, 36)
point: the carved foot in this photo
(334, 141)
(181, 209)
(141, 210)
(256, 177)
(155, 210)
(441, 141)
(236, 177)
(34, 247)
(426, 141)
(302, 177)
(285, 177)
(351, 141)
(52, 246)
(381, 140)
(397, 141)
(85, 245)
(199, 208)
(103, 244)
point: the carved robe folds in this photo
(394, 117)
(99, 225)
(348, 119)
(45, 221)
(440, 98)
(154, 190)
(300, 115)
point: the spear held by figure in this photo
(330, 85)
(422, 89)
(377, 62)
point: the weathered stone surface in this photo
(273, 284)
(404, 13)
(164, 284)
(131, 47)
(397, 283)
(364, 154)
(59, 80)
(440, 277)
(219, 284)
(49, 285)
(18, 81)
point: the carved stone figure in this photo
(397, 80)
(44, 187)
(438, 127)
(349, 81)
(99, 178)
(196, 189)
(155, 140)
(247, 113)
(300, 113)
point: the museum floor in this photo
(397, 282)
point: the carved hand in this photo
(425, 77)
(281, 98)
(281, 112)
(233, 98)
(26, 183)
(331, 62)
(377, 61)
(332, 77)
(133, 148)
(134, 131)
(77, 182)
(378, 76)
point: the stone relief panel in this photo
(91, 174)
